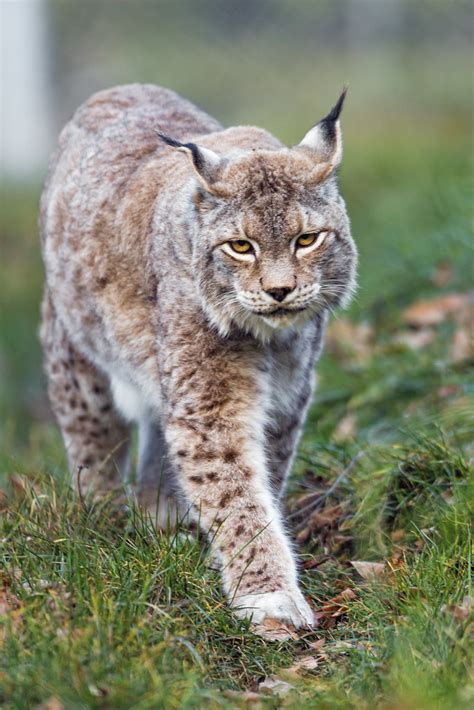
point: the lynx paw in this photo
(288, 606)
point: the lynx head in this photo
(271, 244)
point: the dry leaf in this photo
(435, 310)
(459, 612)
(306, 663)
(318, 644)
(462, 346)
(397, 562)
(8, 602)
(443, 273)
(447, 391)
(96, 691)
(415, 339)
(52, 703)
(346, 428)
(275, 686)
(335, 607)
(3, 501)
(19, 485)
(316, 561)
(274, 630)
(397, 535)
(326, 523)
(368, 570)
(303, 536)
(326, 518)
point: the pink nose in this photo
(279, 294)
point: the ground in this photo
(97, 611)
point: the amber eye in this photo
(241, 246)
(305, 240)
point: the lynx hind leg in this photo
(157, 489)
(95, 435)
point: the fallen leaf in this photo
(443, 273)
(435, 310)
(346, 428)
(8, 602)
(306, 663)
(52, 703)
(447, 391)
(318, 644)
(303, 536)
(3, 501)
(328, 517)
(275, 686)
(459, 612)
(397, 535)
(274, 630)
(415, 339)
(462, 346)
(96, 691)
(335, 607)
(397, 562)
(465, 315)
(19, 485)
(316, 561)
(368, 570)
(448, 497)
(326, 523)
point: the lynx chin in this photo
(190, 272)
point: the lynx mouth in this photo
(280, 312)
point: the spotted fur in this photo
(148, 319)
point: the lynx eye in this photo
(305, 240)
(241, 246)
(241, 249)
(311, 239)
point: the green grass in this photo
(111, 615)
(108, 614)
(99, 612)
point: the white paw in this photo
(289, 606)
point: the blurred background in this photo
(406, 174)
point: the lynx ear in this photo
(325, 138)
(207, 164)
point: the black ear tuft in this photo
(169, 141)
(324, 141)
(192, 147)
(334, 113)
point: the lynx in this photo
(189, 294)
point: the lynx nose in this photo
(279, 294)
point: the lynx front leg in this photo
(215, 436)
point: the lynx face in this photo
(273, 250)
(272, 243)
